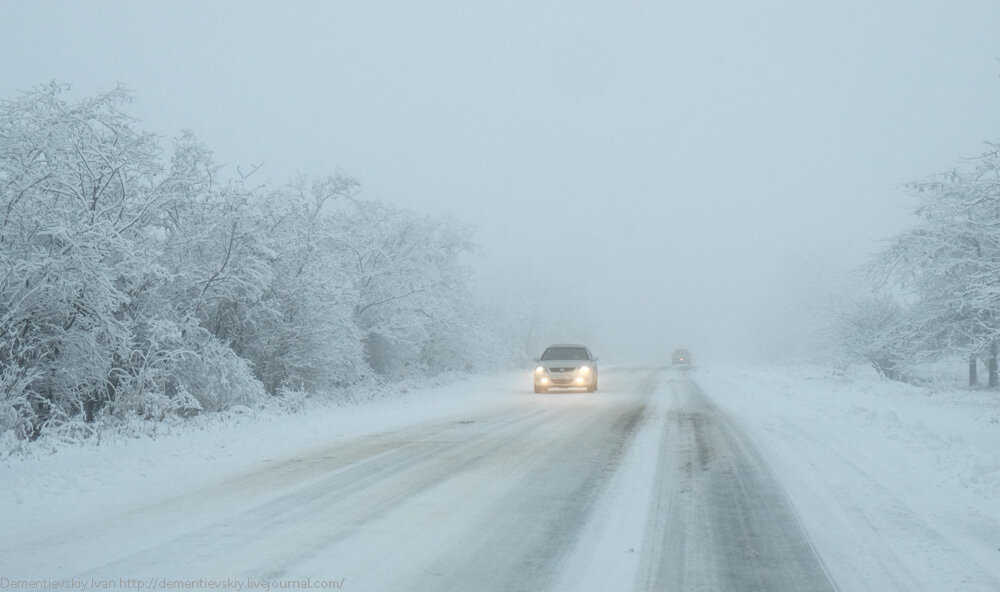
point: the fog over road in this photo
(645, 483)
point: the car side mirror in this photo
(537, 359)
(595, 359)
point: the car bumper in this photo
(563, 381)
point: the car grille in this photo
(566, 369)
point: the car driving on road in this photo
(682, 357)
(566, 366)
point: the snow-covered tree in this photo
(133, 289)
(77, 184)
(874, 329)
(409, 283)
(948, 266)
(300, 333)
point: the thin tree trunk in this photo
(973, 376)
(994, 379)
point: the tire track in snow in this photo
(720, 520)
(492, 502)
(265, 508)
(543, 513)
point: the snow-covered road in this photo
(645, 485)
(720, 520)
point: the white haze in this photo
(642, 175)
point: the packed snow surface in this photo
(709, 479)
(898, 486)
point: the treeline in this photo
(935, 289)
(140, 283)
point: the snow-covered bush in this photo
(133, 289)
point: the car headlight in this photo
(540, 369)
(583, 369)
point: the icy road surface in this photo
(644, 486)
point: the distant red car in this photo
(682, 356)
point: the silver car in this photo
(566, 366)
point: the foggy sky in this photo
(654, 174)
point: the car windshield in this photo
(565, 353)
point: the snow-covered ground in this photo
(79, 483)
(898, 487)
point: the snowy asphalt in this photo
(644, 485)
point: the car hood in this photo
(565, 363)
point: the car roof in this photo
(566, 345)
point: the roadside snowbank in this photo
(895, 483)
